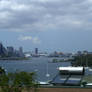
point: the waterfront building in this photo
(85, 52)
(16, 53)
(21, 52)
(90, 53)
(79, 53)
(2, 50)
(20, 49)
(10, 51)
(36, 51)
(56, 54)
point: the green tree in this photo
(83, 60)
(2, 71)
(16, 82)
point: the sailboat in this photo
(47, 74)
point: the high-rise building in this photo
(10, 51)
(21, 52)
(20, 49)
(2, 50)
(36, 50)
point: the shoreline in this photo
(16, 58)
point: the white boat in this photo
(43, 83)
(47, 74)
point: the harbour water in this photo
(41, 65)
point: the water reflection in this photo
(44, 70)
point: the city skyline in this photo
(50, 25)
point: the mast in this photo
(47, 74)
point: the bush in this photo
(15, 82)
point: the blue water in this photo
(41, 66)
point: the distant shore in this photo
(14, 58)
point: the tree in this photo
(16, 82)
(83, 60)
(2, 71)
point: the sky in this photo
(50, 25)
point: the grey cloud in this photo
(37, 15)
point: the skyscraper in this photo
(10, 51)
(1, 49)
(36, 51)
(21, 52)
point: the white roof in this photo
(89, 84)
(71, 68)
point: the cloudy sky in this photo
(50, 25)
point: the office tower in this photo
(36, 50)
(1, 49)
(10, 51)
(21, 52)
